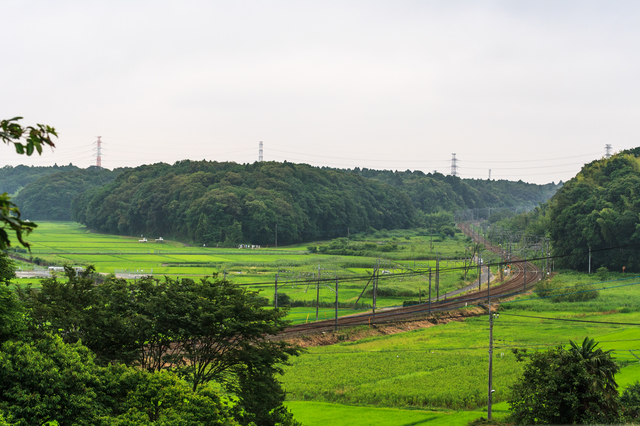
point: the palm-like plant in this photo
(600, 366)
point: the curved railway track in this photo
(515, 285)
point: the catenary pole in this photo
(336, 303)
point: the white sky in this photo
(531, 89)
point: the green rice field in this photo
(59, 243)
(445, 367)
(434, 375)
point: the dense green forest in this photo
(228, 203)
(599, 209)
(12, 179)
(433, 192)
(50, 196)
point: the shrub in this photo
(630, 401)
(602, 273)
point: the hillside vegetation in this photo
(599, 209)
(433, 192)
(12, 179)
(227, 203)
(50, 196)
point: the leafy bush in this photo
(630, 401)
(602, 273)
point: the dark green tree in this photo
(7, 269)
(206, 330)
(12, 315)
(563, 386)
(47, 380)
(630, 402)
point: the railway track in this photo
(522, 280)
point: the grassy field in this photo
(321, 413)
(445, 367)
(435, 375)
(58, 243)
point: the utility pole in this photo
(376, 275)
(479, 271)
(525, 272)
(490, 390)
(589, 259)
(348, 236)
(546, 268)
(276, 235)
(318, 293)
(431, 233)
(607, 149)
(275, 298)
(437, 278)
(429, 290)
(336, 303)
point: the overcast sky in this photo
(529, 89)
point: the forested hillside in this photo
(434, 192)
(599, 209)
(50, 196)
(228, 203)
(13, 178)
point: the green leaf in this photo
(19, 148)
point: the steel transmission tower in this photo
(454, 165)
(607, 149)
(260, 159)
(98, 149)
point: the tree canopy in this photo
(227, 203)
(205, 331)
(567, 386)
(434, 192)
(598, 209)
(50, 197)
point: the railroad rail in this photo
(522, 280)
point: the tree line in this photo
(227, 203)
(434, 192)
(597, 210)
(50, 197)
